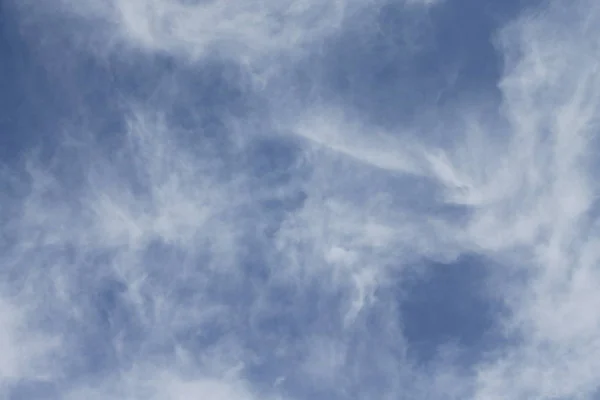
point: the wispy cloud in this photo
(265, 251)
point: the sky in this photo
(299, 199)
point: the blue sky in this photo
(289, 200)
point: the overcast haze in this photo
(299, 199)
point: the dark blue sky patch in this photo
(28, 101)
(392, 70)
(272, 160)
(448, 306)
(52, 91)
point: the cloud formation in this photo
(242, 229)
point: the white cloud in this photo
(248, 31)
(334, 130)
(25, 352)
(550, 98)
(165, 385)
(170, 223)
